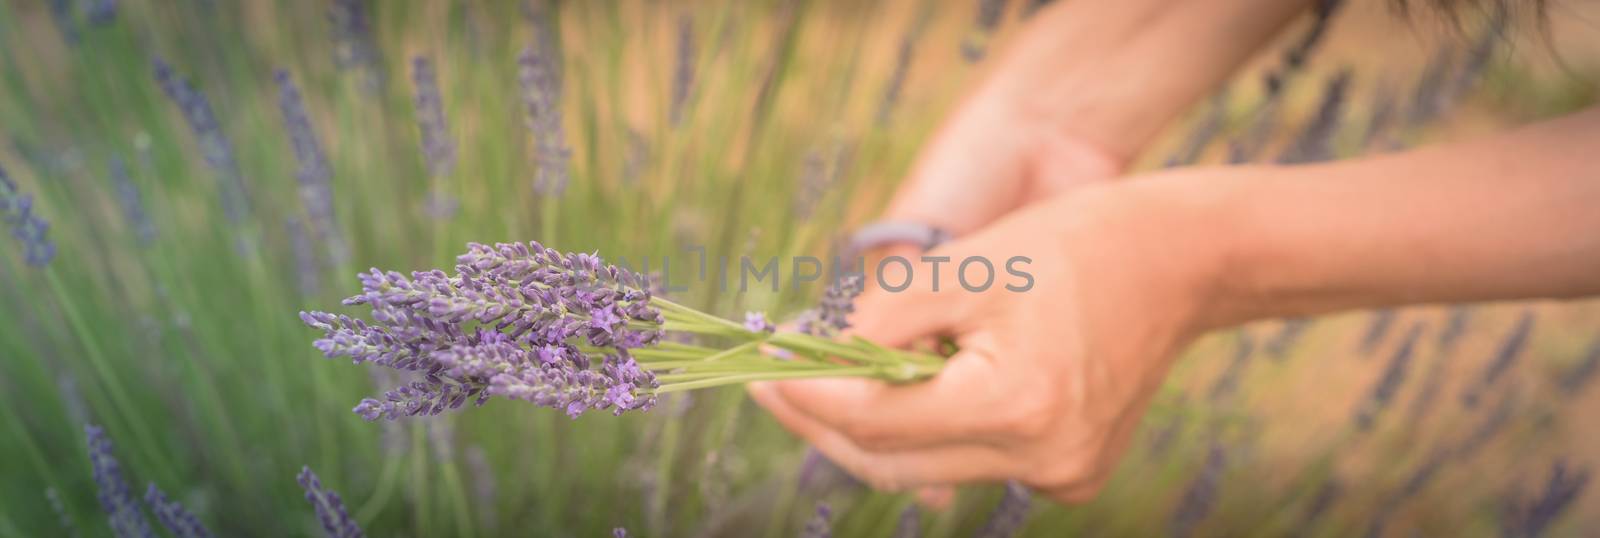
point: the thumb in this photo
(910, 295)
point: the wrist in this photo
(1186, 231)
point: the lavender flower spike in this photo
(172, 515)
(1010, 514)
(215, 147)
(115, 498)
(1534, 517)
(529, 307)
(541, 101)
(757, 322)
(336, 522)
(833, 311)
(16, 212)
(683, 76)
(132, 205)
(438, 148)
(313, 173)
(820, 524)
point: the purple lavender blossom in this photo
(833, 312)
(132, 204)
(1393, 375)
(541, 101)
(1533, 517)
(438, 147)
(16, 212)
(507, 324)
(215, 147)
(820, 525)
(61, 14)
(757, 322)
(1008, 516)
(313, 172)
(1503, 359)
(115, 498)
(1201, 494)
(336, 522)
(683, 76)
(619, 532)
(172, 515)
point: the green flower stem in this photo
(855, 371)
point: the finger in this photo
(954, 406)
(889, 471)
(910, 298)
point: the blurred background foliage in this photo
(767, 128)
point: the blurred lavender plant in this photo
(1282, 342)
(121, 509)
(336, 521)
(1200, 496)
(1503, 359)
(100, 12)
(16, 212)
(354, 47)
(910, 523)
(1382, 320)
(683, 75)
(438, 146)
(1315, 142)
(63, 520)
(1394, 375)
(820, 525)
(66, 24)
(1009, 515)
(1584, 372)
(541, 100)
(1205, 130)
(172, 515)
(1531, 518)
(305, 260)
(1228, 381)
(313, 173)
(215, 148)
(897, 78)
(988, 20)
(132, 204)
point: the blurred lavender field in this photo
(178, 179)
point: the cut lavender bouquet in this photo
(571, 332)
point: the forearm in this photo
(1117, 71)
(1507, 217)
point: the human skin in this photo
(1049, 384)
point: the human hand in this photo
(1049, 383)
